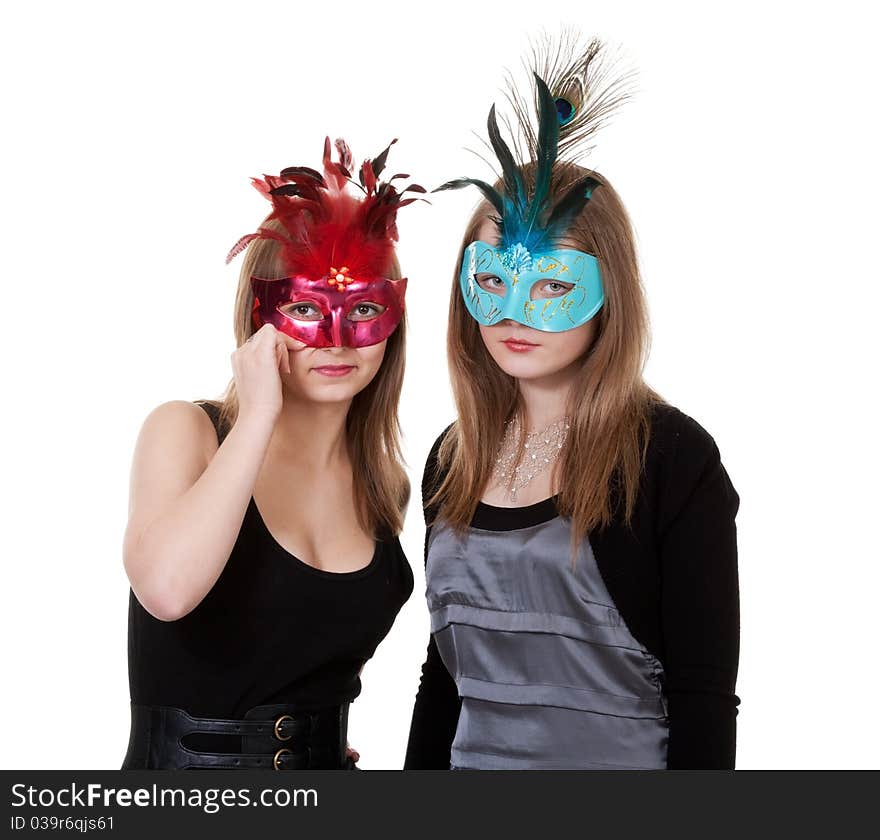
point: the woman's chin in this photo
(526, 368)
(326, 389)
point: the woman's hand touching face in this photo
(258, 366)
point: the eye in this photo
(302, 311)
(365, 311)
(492, 283)
(550, 289)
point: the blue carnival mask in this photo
(518, 277)
(518, 285)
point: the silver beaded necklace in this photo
(541, 449)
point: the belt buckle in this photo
(278, 734)
(278, 756)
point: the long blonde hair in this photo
(609, 404)
(381, 487)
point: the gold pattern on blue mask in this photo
(520, 272)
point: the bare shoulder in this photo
(180, 416)
(176, 443)
(179, 428)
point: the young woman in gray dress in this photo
(581, 558)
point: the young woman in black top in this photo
(262, 544)
(581, 560)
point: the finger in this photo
(264, 341)
(288, 344)
(285, 358)
(264, 333)
(291, 343)
(281, 359)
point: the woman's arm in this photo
(187, 502)
(435, 715)
(699, 603)
(187, 496)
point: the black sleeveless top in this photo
(271, 630)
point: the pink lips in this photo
(333, 370)
(519, 345)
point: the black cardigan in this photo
(673, 577)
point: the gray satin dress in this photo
(548, 673)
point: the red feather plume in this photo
(324, 225)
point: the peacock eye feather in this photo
(565, 110)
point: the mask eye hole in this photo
(365, 311)
(549, 289)
(491, 283)
(302, 310)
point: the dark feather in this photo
(379, 162)
(305, 186)
(514, 188)
(570, 205)
(548, 142)
(491, 194)
(293, 171)
(286, 189)
(410, 201)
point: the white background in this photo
(748, 161)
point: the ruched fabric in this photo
(549, 675)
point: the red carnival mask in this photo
(324, 314)
(335, 252)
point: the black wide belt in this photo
(278, 736)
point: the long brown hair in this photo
(381, 487)
(609, 404)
